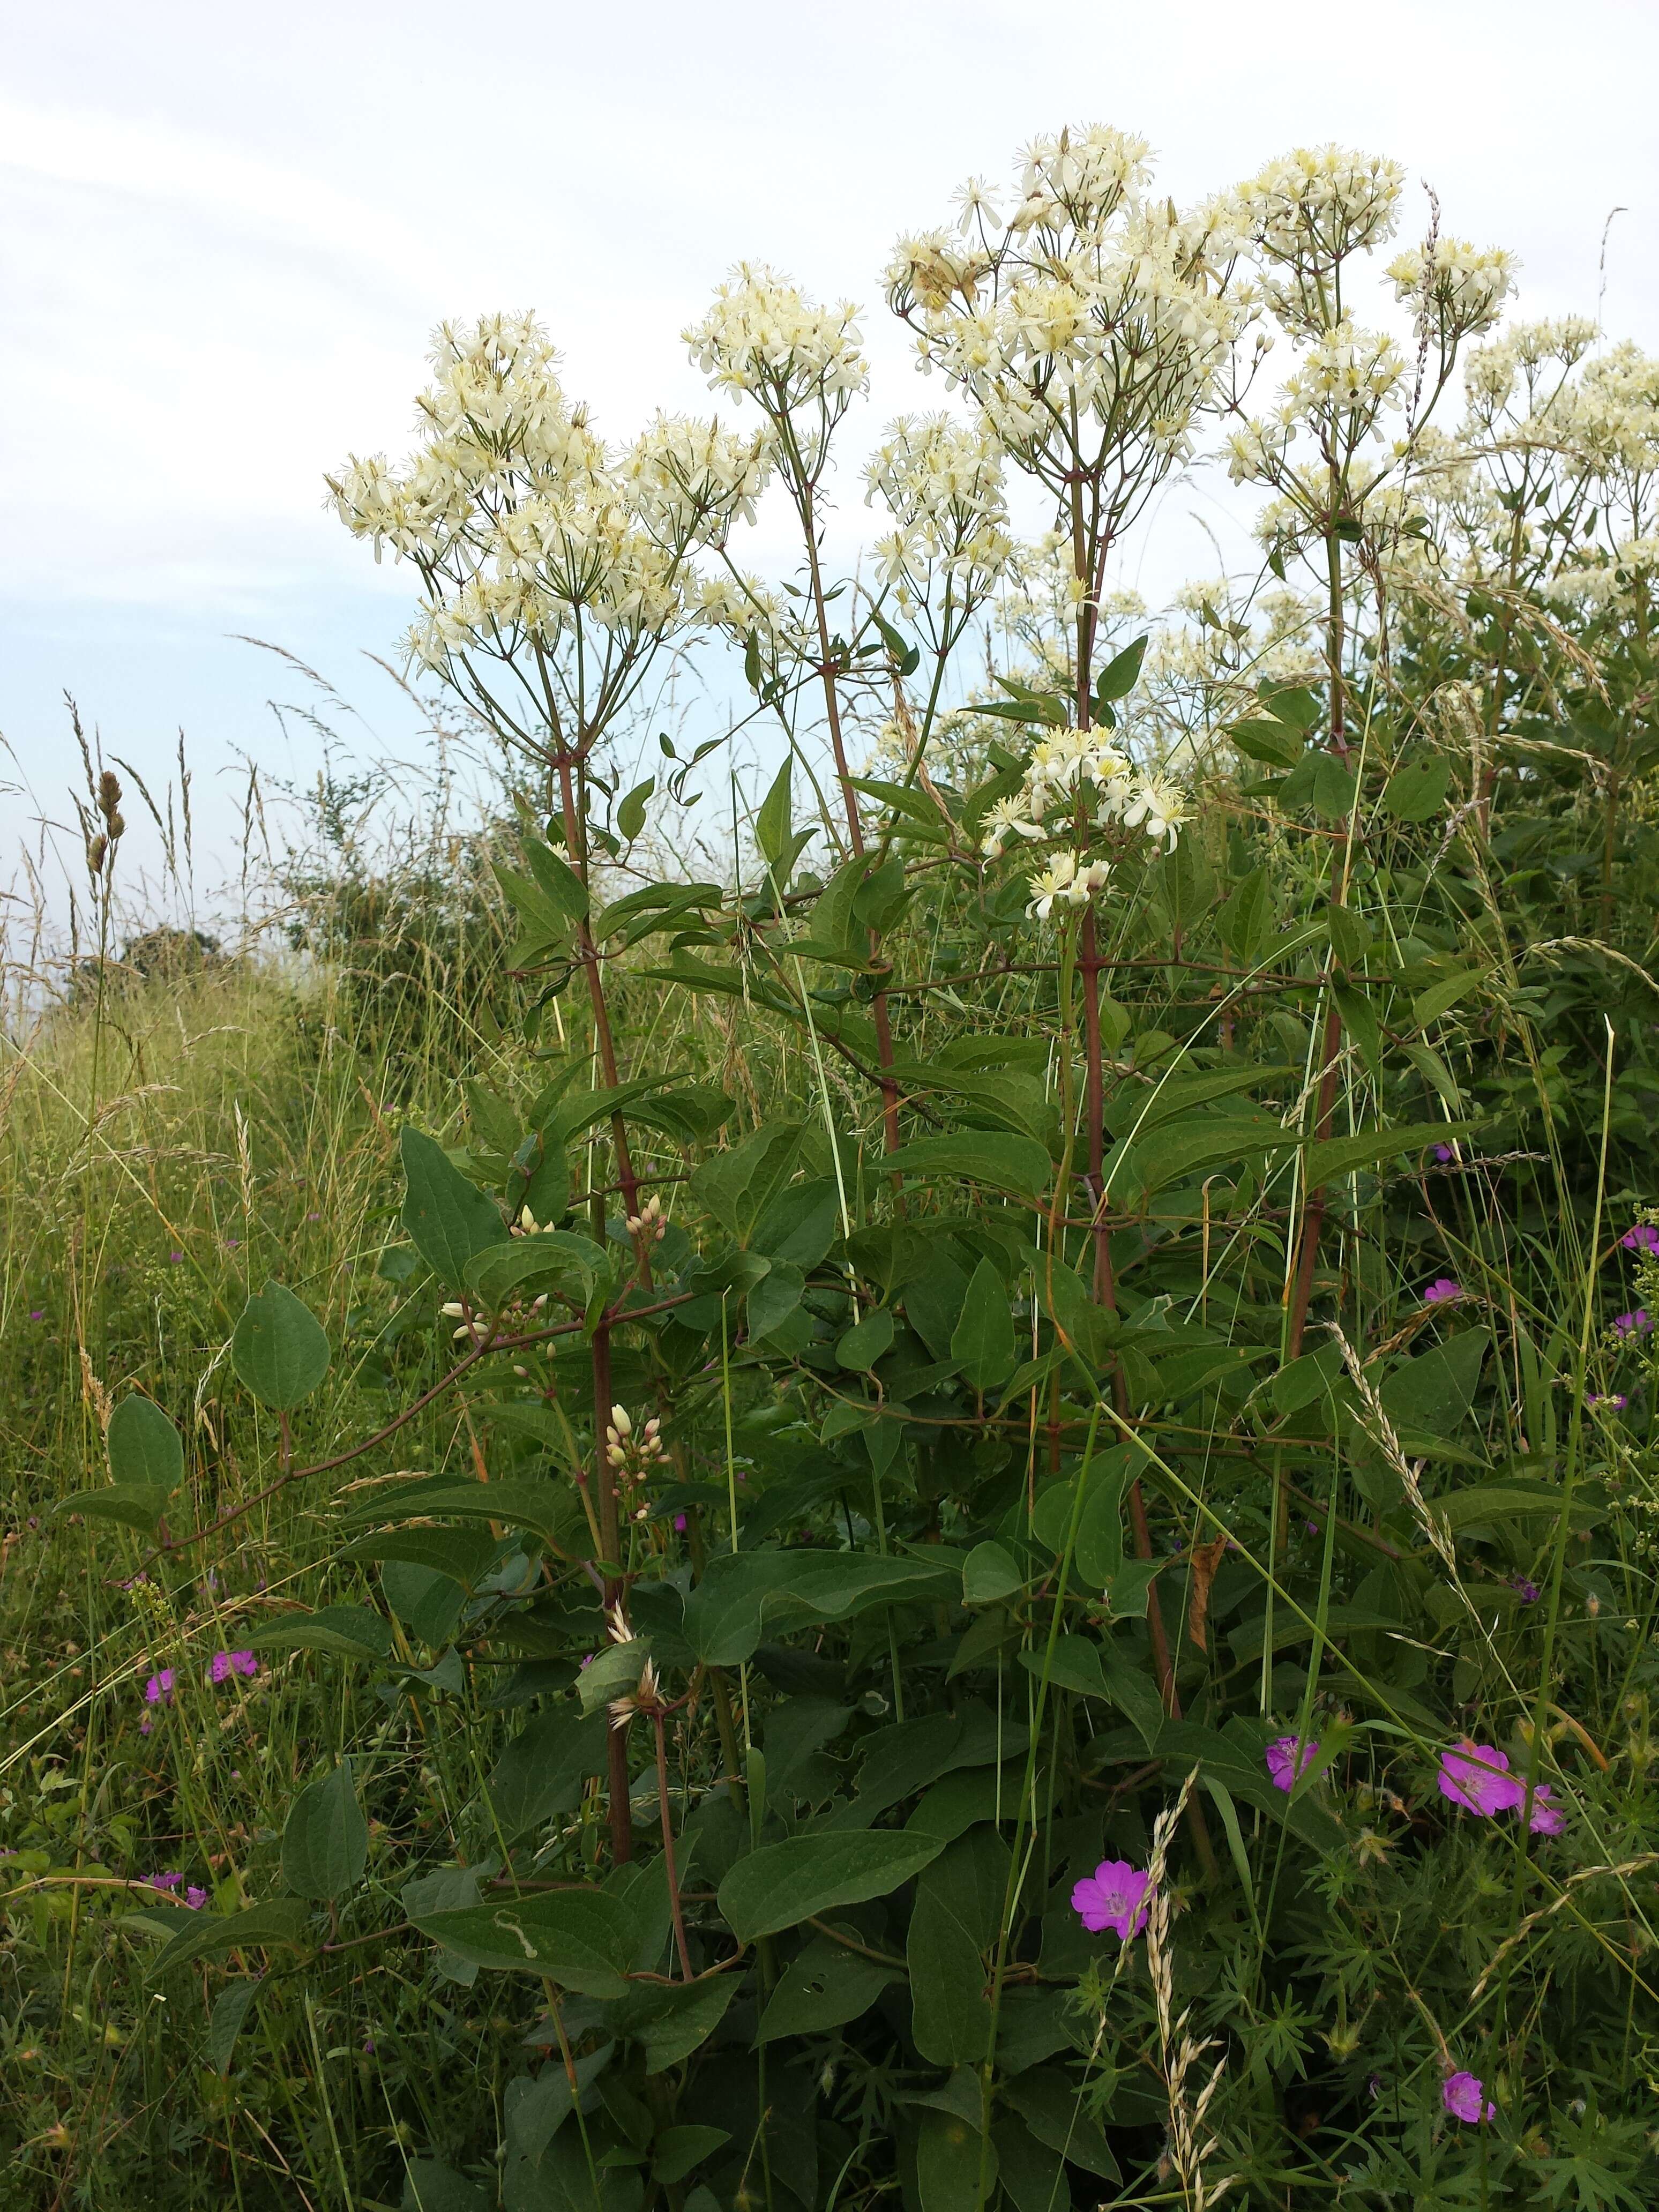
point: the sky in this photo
(227, 233)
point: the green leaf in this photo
(279, 1349)
(557, 1256)
(131, 1506)
(737, 1186)
(325, 1838)
(1344, 1156)
(1032, 2174)
(230, 2010)
(143, 1447)
(1440, 998)
(448, 1218)
(541, 1773)
(1275, 744)
(982, 1342)
(612, 1673)
(990, 1573)
(744, 1594)
(427, 1601)
(1497, 1503)
(950, 2014)
(1307, 1379)
(868, 1340)
(429, 2185)
(281, 1923)
(1099, 1670)
(1320, 781)
(775, 819)
(1292, 703)
(675, 2151)
(520, 1502)
(1000, 1162)
(1057, 2115)
(950, 2157)
(780, 1884)
(1434, 1391)
(1121, 674)
(1098, 1552)
(585, 1939)
(824, 1986)
(630, 811)
(557, 879)
(1245, 919)
(1418, 789)
(682, 2020)
(463, 1554)
(773, 1299)
(351, 1631)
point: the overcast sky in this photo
(228, 231)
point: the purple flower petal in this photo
(1288, 1759)
(158, 1691)
(1548, 1819)
(1644, 1238)
(1464, 2096)
(1443, 1291)
(1116, 1896)
(1477, 1779)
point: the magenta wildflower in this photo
(1116, 1895)
(1644, 1238)
(1478, 1778)
(1616, 1399)
(175, 1258)
(679, 1524)
(158, 1691)
(227, 1663)
(1443, 1291)
(1527, 1590)
(38, 1314)
(1633, 1324)
(1548, 1819)
(1289, 1758)
(164, 1880)
(1444, 1154)
(1464, 2096)
(196, 1898)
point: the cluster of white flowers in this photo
(1455, 290)
(942, 483)
(1080, 780)
(1305, 213)
(523, 524)
(1346, 382)
(1530, 358)
(800, 362)
(1091, 304)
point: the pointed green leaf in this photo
(448, 1218)
(279, 1349)
(585, 1939)
(281, 1922)
(325, 1838)
(144, 1445)
(1000, 1162)
(781, 1885)
(982, 1342)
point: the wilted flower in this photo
(1289, 1758)
(1115, 1896)
(1463, 2096)
(1477, 1778)
(1529, 1591)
